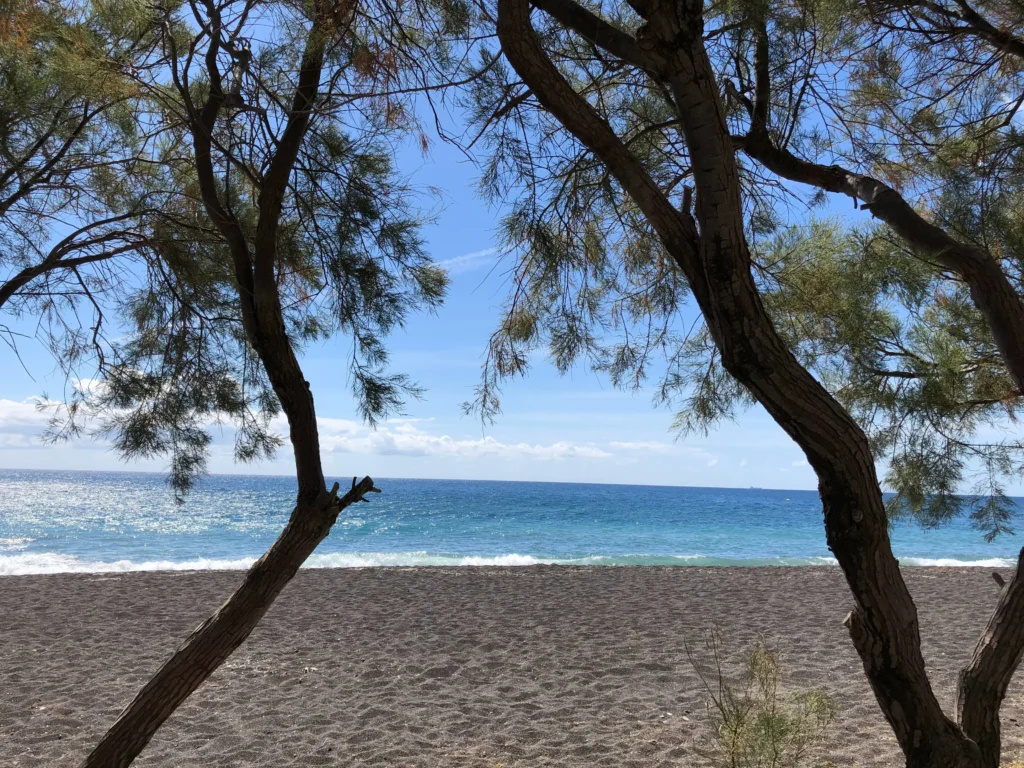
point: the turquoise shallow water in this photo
(105, 521)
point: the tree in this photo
(284, 223)
(613, 238)
(76, 191)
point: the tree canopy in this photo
(134, 179)
(909, 110)
(77, 182)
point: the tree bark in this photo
(217, 638)
(982, 684)
(255, 272)
(717, 264)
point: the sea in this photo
(86, 522)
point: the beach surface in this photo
(497, 667)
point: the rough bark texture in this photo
(217, 638)
(983, 682)
(255, 266)
(713, 254)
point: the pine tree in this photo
(696, 131)
(265, 132)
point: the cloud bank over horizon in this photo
(22, 424)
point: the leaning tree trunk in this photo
(715, 258)
(217, 637)
(255, 266)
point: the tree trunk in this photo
(713, 254)
(217, 637)
(982, 684)
(256, 278)
(883, 623)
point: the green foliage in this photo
(67, 139)
(902, 347)
(895, 338)
(754, 722)
(348, 257)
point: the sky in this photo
(572, 428)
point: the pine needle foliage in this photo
(76, 182)
(892, 334)
(349, 259)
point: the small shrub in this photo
(754, 724)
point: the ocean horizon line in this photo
(54, 521)
(156, 473)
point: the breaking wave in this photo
(44, 563)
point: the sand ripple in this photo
(496, 667)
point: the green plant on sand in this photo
(754, 723)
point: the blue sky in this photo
(573, 428)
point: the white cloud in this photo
(17, 441)
(23, 417)
(654, 446)
(650, 446)
(403, 438)
(743, 462)
(467, 262)
(21, 424)
(90, 386)
(801, 463)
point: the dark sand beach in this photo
(493, 667)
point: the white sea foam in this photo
(20, 565)
(512, 559)
(43, 563)
(13, 545)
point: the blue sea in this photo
(52, 522)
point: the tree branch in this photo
(521, 46)
(599, 32)
(966, 21)
(991, 290)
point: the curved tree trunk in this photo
(256, 280)
(713, 254)
(217, 637)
